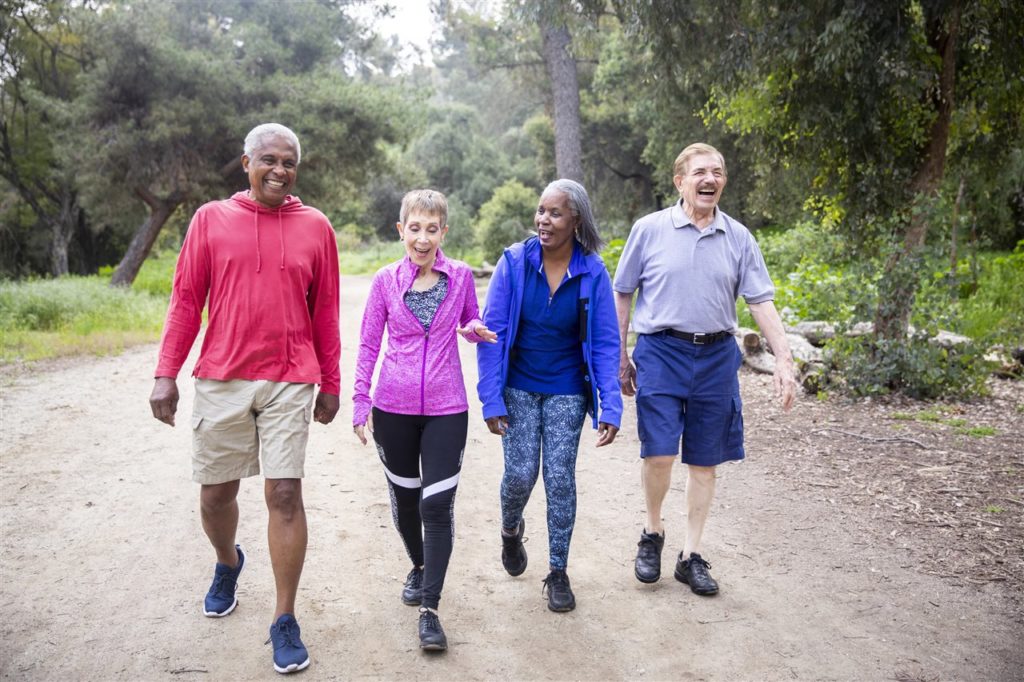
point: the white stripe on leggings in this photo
(441, 486)
(402, 481)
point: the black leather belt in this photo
(699, 338)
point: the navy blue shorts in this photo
(690, 393)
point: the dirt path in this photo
(104, 564)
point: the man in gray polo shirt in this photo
(690, 263)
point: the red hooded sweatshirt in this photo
(270, 276)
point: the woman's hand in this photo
(498, 425)
(482, 331)
(606, 433)
(359, 429)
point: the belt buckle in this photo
(698, 338)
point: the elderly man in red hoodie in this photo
(267, 268)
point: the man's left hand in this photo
(326, 407)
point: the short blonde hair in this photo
(428, 201)
(683, 160)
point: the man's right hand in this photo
(627, 377)
(164, 399)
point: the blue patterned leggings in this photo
(550, 425)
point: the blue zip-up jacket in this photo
(599, 331)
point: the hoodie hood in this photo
(290, 204)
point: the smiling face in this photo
(701, 184)
(555, 223)
(422, 233)
(272, 170)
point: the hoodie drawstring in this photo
(280, 231)
(256, 225)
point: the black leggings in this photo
(422, 457)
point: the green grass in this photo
(977, 431)
(74, 315)
(368, 259)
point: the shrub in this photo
(914, 366)
(504, 218)
(46, 318)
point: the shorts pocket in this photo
(734, 441)
(197, 431)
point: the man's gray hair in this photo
(579, 204)
(258, 135)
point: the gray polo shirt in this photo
(689, 280)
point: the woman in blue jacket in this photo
(550, 303)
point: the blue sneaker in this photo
(221, 600)
(290, 653)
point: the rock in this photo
(816, 332)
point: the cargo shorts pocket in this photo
(734, 440)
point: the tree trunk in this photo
(900, 279)
(160, 209)
(62, 231)
(565, 92)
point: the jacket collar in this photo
(407, 270)
(577, 262)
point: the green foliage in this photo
(995, 310)
(978, 431)
(505, 218)
(611, 254)
(369, 258)
(45, 318)
(917, 367)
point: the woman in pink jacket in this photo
(418, 416)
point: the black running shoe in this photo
(560, 596)
(647, 567)
(431, 633)
(412, 591)
(513, 554)
(694, 572)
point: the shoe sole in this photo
(514, 573)
(434, 647)
(681, 578)
(563, 609)
(646, 581)
(293, 668)
(214, 614)
(412, 602)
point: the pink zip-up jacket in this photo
(421, 372)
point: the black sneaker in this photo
(431, 634)
(694, 572)
(412, 591)
(648, 557)
(560, 596)
(513, 554)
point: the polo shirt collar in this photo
(680, 219)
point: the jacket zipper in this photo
(423, 373)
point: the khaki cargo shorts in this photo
(236, 422)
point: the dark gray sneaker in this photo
(412, 591)
(647, 567)
(513, 554)
(694, 572)
(432, 636)
(560, 596)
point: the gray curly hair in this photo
(258, 135)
